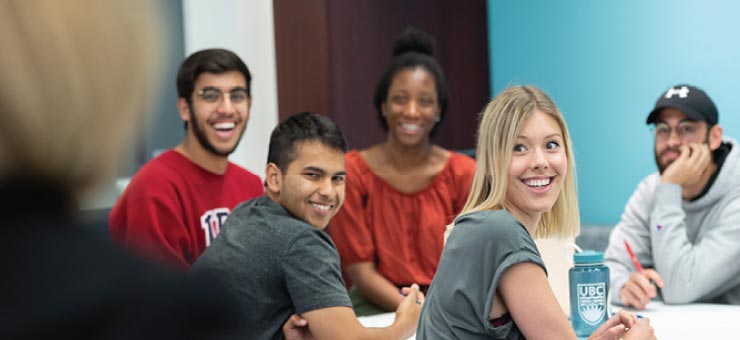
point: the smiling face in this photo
(219, 125)
(538, 167)
(312, 186)
(412, 106)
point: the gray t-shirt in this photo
(480, 248)
(275, 265)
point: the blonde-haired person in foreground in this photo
(77, 74)
(491, 282)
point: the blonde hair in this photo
(76, 76)
(500, 124)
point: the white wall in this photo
(245, 27)
(558, 257)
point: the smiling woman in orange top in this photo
(401, 193)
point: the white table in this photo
(671, 322)
(692, 321)
(380, 320)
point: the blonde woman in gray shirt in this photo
(491, 282)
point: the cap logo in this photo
(682, 92)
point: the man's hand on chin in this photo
(689, 166)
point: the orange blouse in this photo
(402, 233)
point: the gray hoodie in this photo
(694, 246)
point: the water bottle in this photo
(589, 287)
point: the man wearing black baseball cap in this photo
(683, 222)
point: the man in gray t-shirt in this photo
(273, 254)
(275, 265)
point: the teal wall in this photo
(605, 63)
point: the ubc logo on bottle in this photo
(591, 302)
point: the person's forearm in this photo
(633, 228)
(620, 267)
(392, 332)
(378, 290)
(374, 287)
(700, 269)
(341, 323)
(674, 255)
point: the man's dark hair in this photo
(412, 49)
(216, 61)
(299, 128)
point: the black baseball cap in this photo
(688, 99)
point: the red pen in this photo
(637, 264)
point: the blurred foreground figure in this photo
(77, 77)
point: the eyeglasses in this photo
(685, 131)
(214, 95)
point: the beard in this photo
(662, 167)
(203, 139)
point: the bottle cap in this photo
(588, 256)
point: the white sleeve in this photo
(633, 227)
(706, 268)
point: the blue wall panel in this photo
(605, 63)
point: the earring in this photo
(437, 119)
(384, 114)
